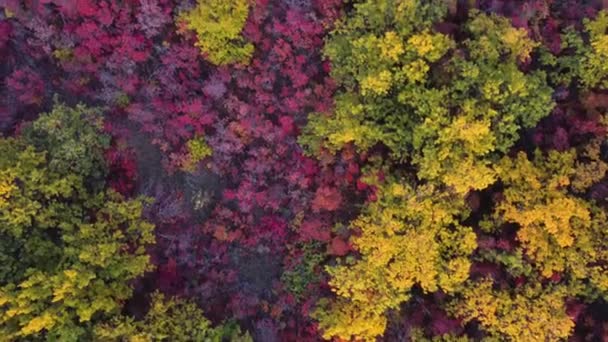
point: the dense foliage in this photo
(299, 170)
(218, 25)
(449, 106)
(453, 110)
(168, 320)
(69, 248)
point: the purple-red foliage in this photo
(122, 169)
(567, 127)
(251, 117)
(26, 86)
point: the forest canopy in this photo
(303, 170)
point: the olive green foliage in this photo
(218, 25)
(73, 246)
(71, 137)
(451, 107)
(305, 272)
(168, 320)
(583, 57)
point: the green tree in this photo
(583, 57)
(168, 320)
(451, 107)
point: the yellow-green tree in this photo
(218, 25)
(583, 58)
(197, 151)
(168, 320)
(451, 107)
(69, 247)
(558, 231)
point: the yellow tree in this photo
(409, 236)
(558, 231)
(528, 313)
(218, 25)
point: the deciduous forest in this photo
(303, 170)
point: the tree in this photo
(529, 313)
(409, 236)
(451, 107)
(168, 320)
(559, 232)
(72, 247)
(583, 58)
(218, 25)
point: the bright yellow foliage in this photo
(430, 46)
(345, 318)
(6, 187)
(35, 325)
(391, 46)
(558, 231)
(377, 84)
(517, 40)
(218, 25)
(408, 236)
(527, 314)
